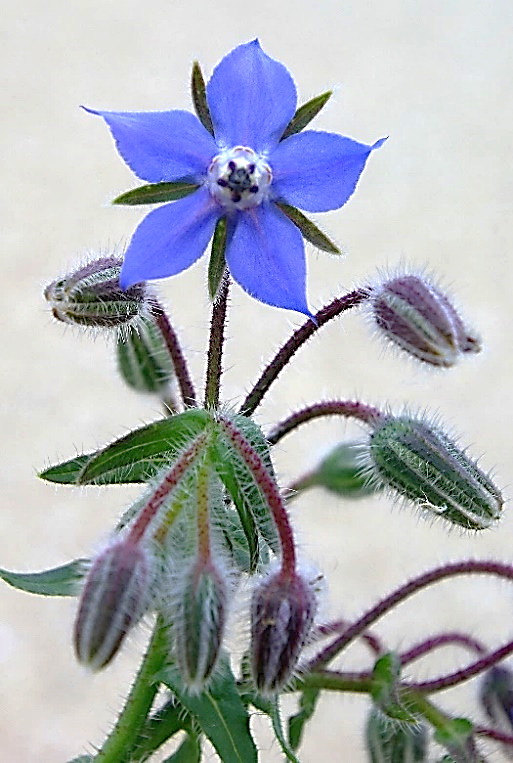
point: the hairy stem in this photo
(435, 642)
(119, 743)
(178, 358)
(270, 491)
(215, 348)
(349, 408)
(298, 338)
(402, 593)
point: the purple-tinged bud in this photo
(419, 462)
(420, 319)
(496, 695)
(282, 612)
(115, 597)
(199, 623)
(92, 296)
(395, 742)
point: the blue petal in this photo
(318, 171)
(161, 145)
(266, 256)
(170, 238)
(251, 97)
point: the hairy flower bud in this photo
(199, 623)
(496, 695)
(92, 296)
(115, 596)
(421, 320)
(395, 742)
(422, 464)
(143, 357)
(282, 613)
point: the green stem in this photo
(119, 744)
(158, 729)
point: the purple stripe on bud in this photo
(421, 320)
(282, 612)
(115, 596)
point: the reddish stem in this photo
(349, 408)
(215, 347)
(169, 482)
(402, 593)
(270, 491)
(298, 338)
(177, 357)
(435, 642)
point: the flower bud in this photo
(340, 472)
(395, 742)
(420, 319)
(422, 464)
(143, 357)
(115, 596)
(496, 695)
(199, 623)
(282, 613)
(92, 296)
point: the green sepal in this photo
(456, 736)
(271, 708)
(144, 361)
(309, 230)
(199, 98)
(251, 505)
(218, 711)
(217, 262)
(136, 457)
(58, 581)
(340, 472)
(297, 722)
(188, 752)
(394, 741)
(384, 690)
(82, 759)
(305, 114)
(156, 193)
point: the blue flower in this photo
(241, 171)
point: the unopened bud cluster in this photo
(420, 463)
(417, 317)
(91, 296)
(395, 742)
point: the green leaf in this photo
(219, 712)
(199, 98)
(134, 458)
(67, 472)
(249, 501)
(297, 722)
(188, 752)
(156, 193)
(217, 262)
(272, 709)
(305, 114)
(59, 581)
(308, 229)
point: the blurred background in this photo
(434, 76)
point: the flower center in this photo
(238, 178)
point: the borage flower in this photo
(241, 169)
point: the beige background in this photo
(436, 77)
